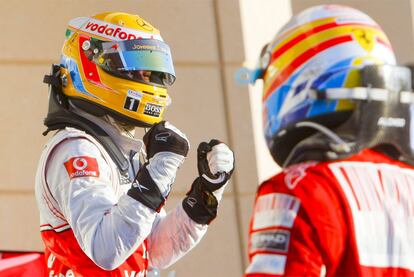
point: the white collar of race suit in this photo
(122, 140)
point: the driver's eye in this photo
(144, 75)
(139, 75)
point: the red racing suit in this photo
(351, 217)
(90, 226)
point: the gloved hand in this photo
(215, 166)
(166, 148)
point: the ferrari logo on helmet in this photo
(364, 38)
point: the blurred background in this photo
(209, 40)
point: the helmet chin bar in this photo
(382, 118)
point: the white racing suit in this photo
(89, 225)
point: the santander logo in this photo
(115, 32)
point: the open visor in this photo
(142, 60)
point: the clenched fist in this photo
(215, 166)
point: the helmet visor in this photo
(142, 60)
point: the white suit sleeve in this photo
(173, 235)
(107, 229)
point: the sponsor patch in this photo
(267, 264)
(111, 31)
(275, 209)
(381, 199)
(152, 110)
(275, 240)
(82, 166)
(391, 122)
(295, 173)
(134, 94)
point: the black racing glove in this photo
(166, 148)
(215, 166)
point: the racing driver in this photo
(337, 119)
(99, 190)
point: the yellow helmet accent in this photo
(117, 63)
(323, 47)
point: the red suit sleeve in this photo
(298, 226)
